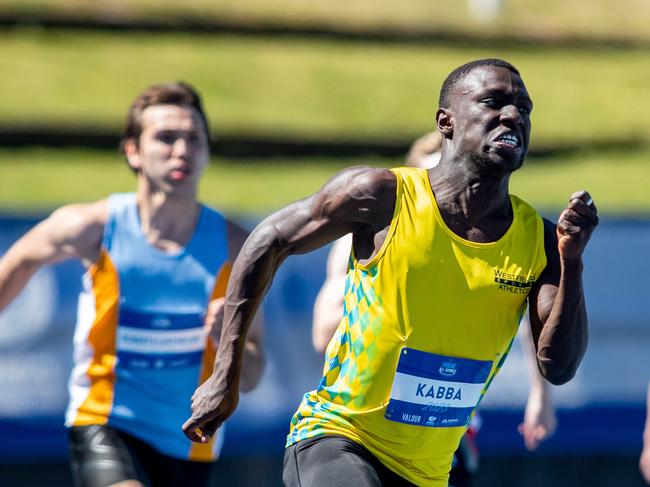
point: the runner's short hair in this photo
(176, 93)
(460, 72)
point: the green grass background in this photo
(323, 89)
(542, 18)
(41, 179)
(310, 88)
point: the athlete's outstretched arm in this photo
(70, 231)
(254, 359)
(558, 316)
(358, 200)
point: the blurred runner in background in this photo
(150, 315)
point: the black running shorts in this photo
(335, 461)
(101, 456)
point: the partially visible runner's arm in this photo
(358, 200)
(540, 420)
(73, 231)
(328, 307)
(644, 461)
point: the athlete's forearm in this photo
(15, 273)
(251, 276)
(242, 302)
(563, 339)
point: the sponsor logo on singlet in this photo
(514, 283)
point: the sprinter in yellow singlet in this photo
(444, 262)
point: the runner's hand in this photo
(212, 403)
(644, 464)
(539, 422)
(575, 225)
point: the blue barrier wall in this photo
(600, 411)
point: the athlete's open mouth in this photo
(509, 140)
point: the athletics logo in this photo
(448, 369)
(161, 322)
(514, 283)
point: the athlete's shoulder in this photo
(415, 178)
(361, 192)
(363, 185)
(408, 171)
(527, 215)
(545, 228)
(522, 205)
(81, 217)
(120, 202)
(365, 179)
(77, 229)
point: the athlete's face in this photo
(491, 118)
(173, 149)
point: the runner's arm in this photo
(558, 315)
(71, 231)
(540, 420)
(254, 359)
(352, 201)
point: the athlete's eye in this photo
(493, 102)
(166, 137)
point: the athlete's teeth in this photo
(510, 138)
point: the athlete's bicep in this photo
(354, 199)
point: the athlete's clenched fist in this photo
(575, 225)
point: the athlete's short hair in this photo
(460, 72)
(176, 93)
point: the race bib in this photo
(436, 390)
(159, 340)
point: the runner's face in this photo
(173, 149)
(492, 118)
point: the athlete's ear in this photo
(132, 154)
(445, 122)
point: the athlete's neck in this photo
(472, 207)
(167, 221)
